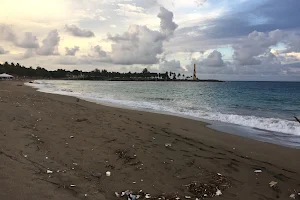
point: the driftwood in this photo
(298, 120)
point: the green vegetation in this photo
(23, 72)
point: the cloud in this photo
(75, 31)
(293, 43)
(146, 4)
(29, 41)
(49, 44)
(214, 59)
(6, 33)
(167, 25)
(71, 51)
(97, 55)
(200, 2)
(130, 8)
(2, 51)
(27, 54)
(141, 45)
(172, 65)
(256, 44)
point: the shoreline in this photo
(160, 154)
(257, 134)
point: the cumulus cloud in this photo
(214, 59)
(71, 51)
(167, 25)
(29, 41)
(172, 65)
(27, 54)
(76, 31)
(49, 44)
(256, 44)
(6, 33)
(2, 51)
(141, 45)
(293, 43)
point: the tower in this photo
(194, 76)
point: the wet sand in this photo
(161, 155)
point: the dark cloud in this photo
(49, 44)
(2, 51)
(167, 25)
(76, 31)
(258, 16)
(71, 51)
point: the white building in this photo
(6, 77)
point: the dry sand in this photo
(80, 141)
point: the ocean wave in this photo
(263, 123)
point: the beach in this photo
(60, 147)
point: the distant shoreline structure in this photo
(21, 72)
(141, 79)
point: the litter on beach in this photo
(108, 173)
(258, 171)
(218, 193)
(168, 145)
(272, 183)
(293, 196)
(72, 185)
(49, 171)
(71, 136)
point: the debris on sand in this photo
(168, 145)
(124, 154)
(273, 183)
(49, 171)
(258, 171)
(293, 196)
(71, 136)
(72, 185)
(209, 189)
(81, 120)
(108, 173)
(96, 175)
(218, 192)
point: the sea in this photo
(263, 111)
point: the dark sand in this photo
(36, 125)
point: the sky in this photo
(226, 39)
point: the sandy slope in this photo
(35, 130)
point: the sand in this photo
(78, 142)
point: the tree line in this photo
(24, 72)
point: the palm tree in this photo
(178, 76)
